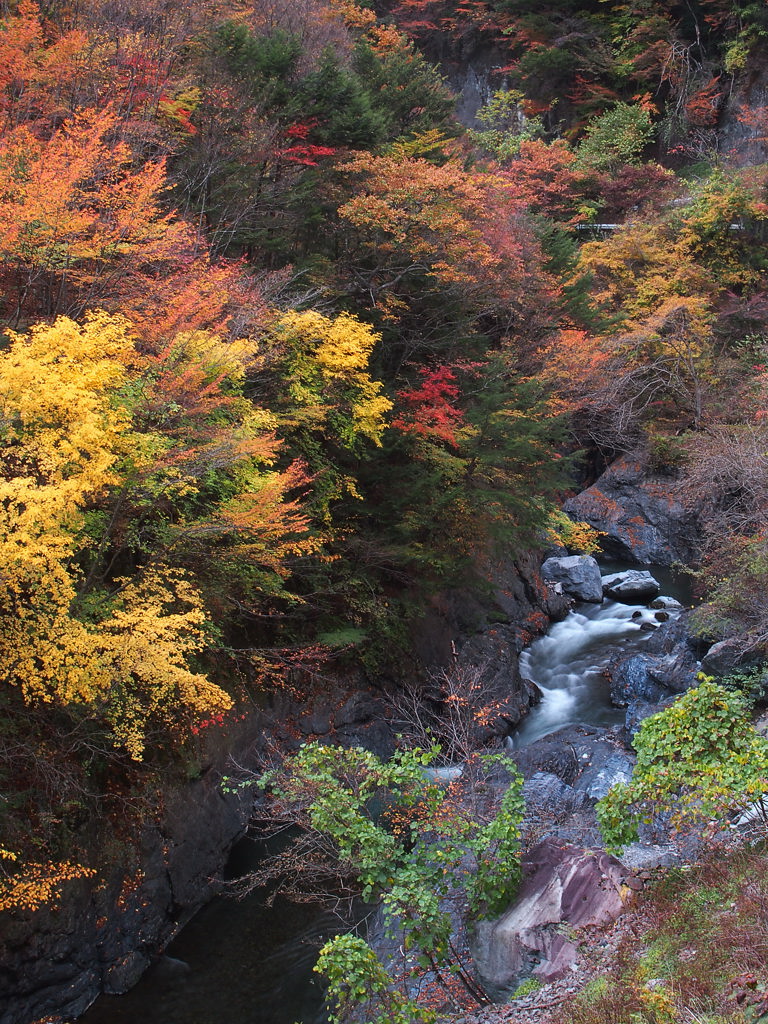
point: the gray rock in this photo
(667, 603)
(645, 683)
(638, 710)
(105, 931)
(640, 514)
(578, 574)
(635, 586)
(561, 958)
(563, 753)
(316, 722)
(360, 706)
(548, 797)
(124, 974)
(631, 679)
(562, 884)
(726, 656)
(602, 774)
(647, 856)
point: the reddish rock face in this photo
(563, 885)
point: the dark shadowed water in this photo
(242, 963)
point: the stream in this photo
(568, 663)
(244, 962)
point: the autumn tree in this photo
(476, 436)
(86, 468)
(433, 243)
(329, 406)
(74, 215)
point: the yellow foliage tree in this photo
(61, 437)
(328, 373)
(642, 265)
(64, 432)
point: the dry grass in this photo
(701, 956)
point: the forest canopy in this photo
(288, 351)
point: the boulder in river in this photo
(549, 798)
(579, 576)
(631, 679)
(634, 586)
(645, 682)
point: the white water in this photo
(568, 665)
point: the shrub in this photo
(697, 760)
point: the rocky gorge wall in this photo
(104, 932)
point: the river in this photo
(243, 962)
(238, 961)
(568, 664)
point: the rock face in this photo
(488, 634)
(562, 884)
(565, 774)
(645, 683)
(579, 576)
(105, 932)
(635, 586)
(641, 515)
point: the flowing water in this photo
(568, 664)
(243, 962)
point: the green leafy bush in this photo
(697, 760)
(411, 844)
(616, 137)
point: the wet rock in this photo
(549, 798)
(579, 576)
(494, 653)
(675, 637)
(640, 514)
(631, 679)
(125, 973)
(635, 586)
(603, 773)
(668, 603)
(559, 753)
(105, 931)
(562, 884)
(645, 682)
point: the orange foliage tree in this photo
(452, 243)
(75, 215)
